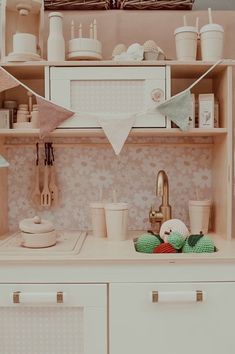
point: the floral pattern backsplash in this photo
(84, 171)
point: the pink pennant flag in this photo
(50, 115)
(7, 81)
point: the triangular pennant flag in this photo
(3, 162)
(117, 129)
(178, 108)
(7, 81)
(50, 115)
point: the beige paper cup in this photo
(116, 220)
(98, 220)
(199, 215)
(186, 43)
(212, 42)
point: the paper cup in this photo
(212, 42)
(199, 216)
(116, 220)
(186, 43)
(98, 220)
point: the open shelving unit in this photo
(219, 82)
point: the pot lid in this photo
(36, 225)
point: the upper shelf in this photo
(35, 69)
(151, 132)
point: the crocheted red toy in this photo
(164, 248)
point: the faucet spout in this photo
(158, 217)
(162, 187)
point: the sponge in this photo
(147, 242)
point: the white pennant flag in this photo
(117, 129)
(3, 162)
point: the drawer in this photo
(172, 318)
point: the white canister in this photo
(186, 43)
(24, 43)
(212, 42)
(98, 220)
(55, 42)
(199, 215)
(35, 116)
(37, 233)
(116, 215)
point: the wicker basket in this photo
(156, 4)
(77, 4)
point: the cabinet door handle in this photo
(19, 297)
(177, 296)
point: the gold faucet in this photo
(157, 218)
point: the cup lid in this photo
(36, 225)
(54, 14)
(116, 206)
(185, 29)
(206, 202)
(212, 27)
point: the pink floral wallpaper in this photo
(83, 170)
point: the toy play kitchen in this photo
(116, 179)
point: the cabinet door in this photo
(53, 319)
(172, 318)
(95, 93)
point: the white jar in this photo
(212, 42)
(186, 43)
(55, 42)
(116, 215)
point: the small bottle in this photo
(55, 42)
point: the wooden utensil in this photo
(52, 185)
(36, 194)
(46, 195)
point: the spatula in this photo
(36, 194)
(46, 195)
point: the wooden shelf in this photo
(144, 132)
(35, 69)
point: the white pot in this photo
(37, 233)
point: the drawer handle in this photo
(33, 298)
(177, 296)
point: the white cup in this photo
(186, 43)
(116, 221)
(212, 42)
(199, 215)
(98, 220)
(35, 118)
(24, 43)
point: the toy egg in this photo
(119, 49)
(198, 244)
(176, 240)
(164, 248)
(146, 243)
(173, 225)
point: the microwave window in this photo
(107, 96)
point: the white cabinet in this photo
(176, 323)
(108, 92)
(53, 319)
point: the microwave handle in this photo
(19, 297)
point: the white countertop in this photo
(102, 250)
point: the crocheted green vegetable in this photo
(198, 244)
(176, 240)
(147, 242)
